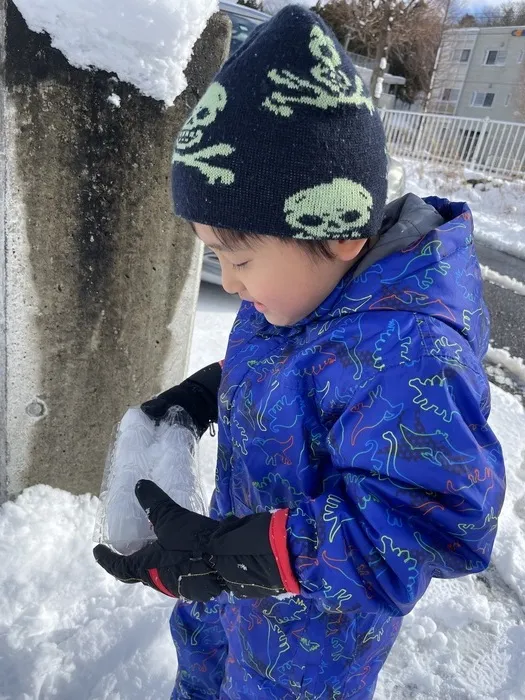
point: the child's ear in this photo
(347, 250)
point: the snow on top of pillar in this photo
(145, 42)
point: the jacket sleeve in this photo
(415, 492)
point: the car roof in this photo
(228, 6)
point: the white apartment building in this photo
(481, 73)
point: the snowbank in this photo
(68, 630)
(504, 281)
(502, 357)
(145, 42)
(497, 205)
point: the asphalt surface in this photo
(507, 308)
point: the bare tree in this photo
(340, 16)
(414, 54)
(394, 18)
(404, 33)
(467, 20)
(507, 14)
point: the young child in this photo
(355, 460)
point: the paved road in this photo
(503, 263)
(507, 308)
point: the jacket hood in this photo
(423, 261)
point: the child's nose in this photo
(231, 284)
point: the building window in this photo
(482, 99)
(450, 95)
(462, 55)
(495, 58)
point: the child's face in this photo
(282, 280)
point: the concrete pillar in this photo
(98, 279)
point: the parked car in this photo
(244, 20)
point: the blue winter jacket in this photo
(368, 421)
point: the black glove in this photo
(245, 558)
(175, 564)
(197, 395)
(197, 557)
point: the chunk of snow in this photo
(382, 63)
(145, 42)
(496, 204)
(114, 99)
(514, 365)
(502, 280)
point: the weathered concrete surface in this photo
(3, 338)
(101, 277)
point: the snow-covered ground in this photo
(497, 205)
(68, 630)
(502, 357)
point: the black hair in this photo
(317, 250)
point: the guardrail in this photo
(486, 146)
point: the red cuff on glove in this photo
(155, 579)
(280, 550)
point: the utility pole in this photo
(382, 51)
(3, 335)
(98, 279)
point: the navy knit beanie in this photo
(285, 141)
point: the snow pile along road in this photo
(503, 281)
(145, 42)
(497, 205)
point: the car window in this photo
(242, 27)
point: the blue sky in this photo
(477, 6)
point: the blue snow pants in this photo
(231, 649)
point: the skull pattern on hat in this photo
(286, 141)
(328, 210)
(211, 103)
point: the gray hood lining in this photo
(405, 221)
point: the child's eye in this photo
(237, 267)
